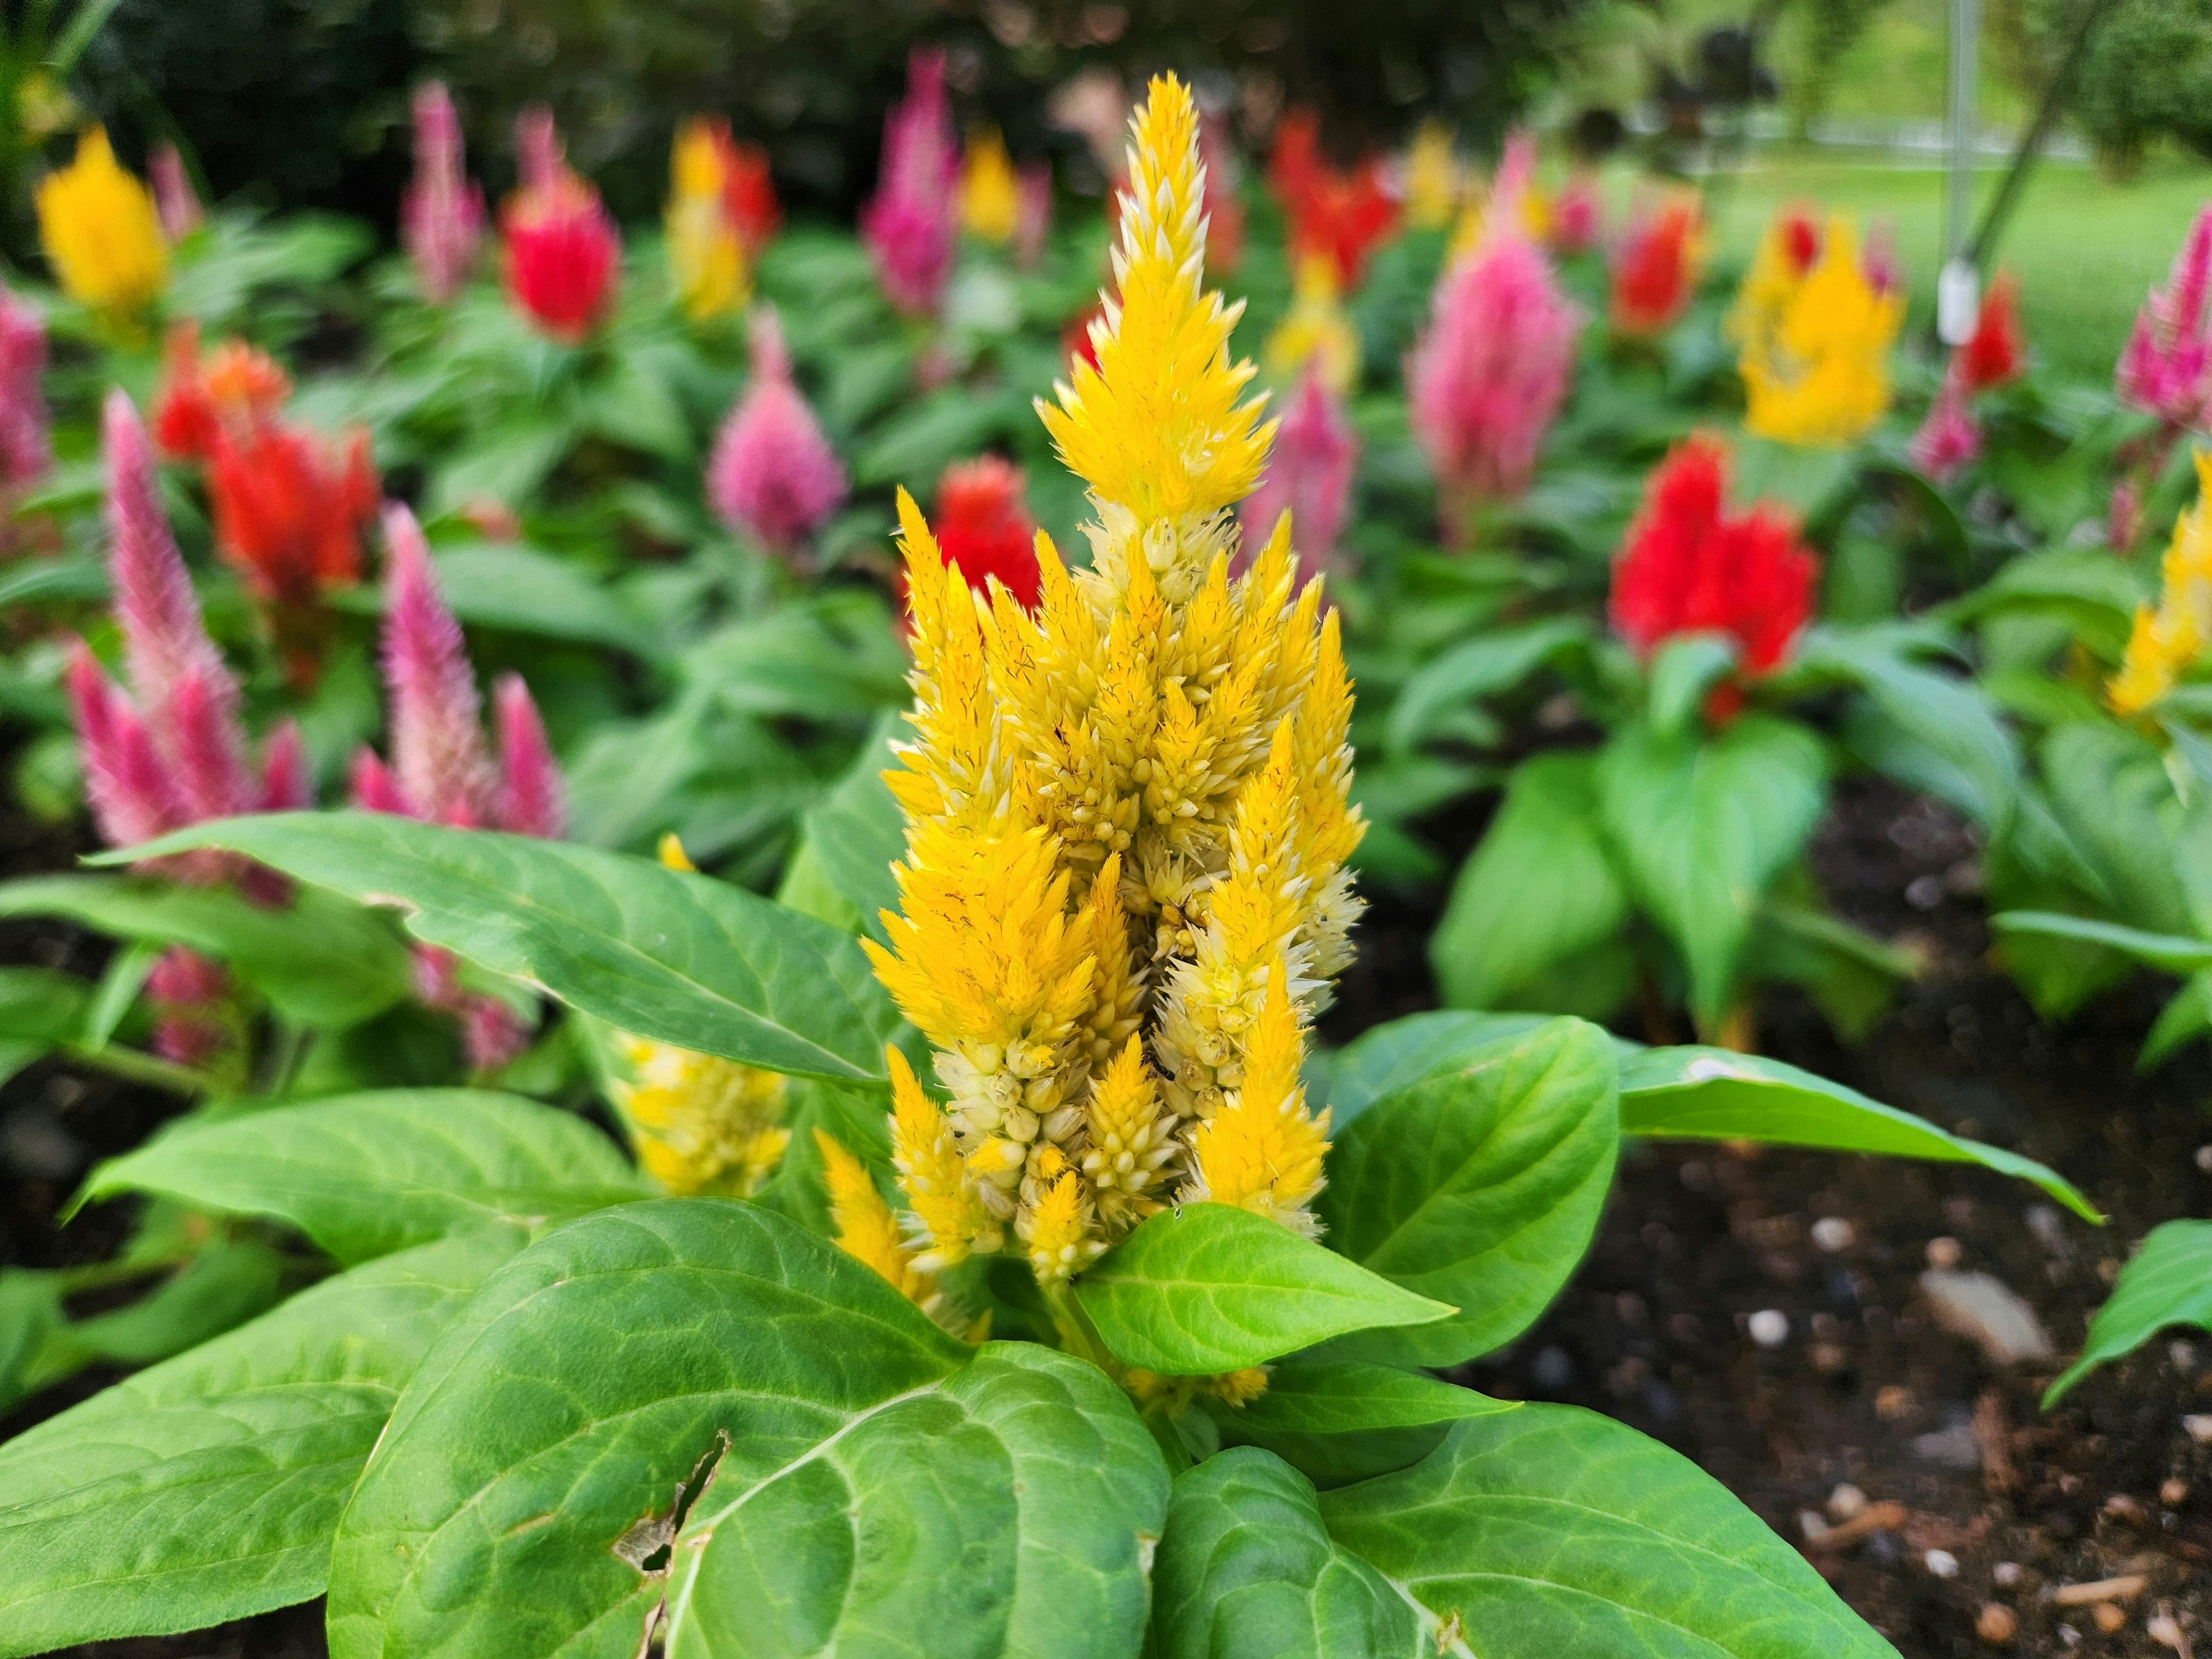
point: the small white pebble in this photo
(2166, 1630)
(1813, 1524)
(1943, 1252)
(2204, 1159)
(2069, 1635)
(1770, 1327)
(1846, 1503)
(1834, 1235)
(2199, 1428)
(2006, 1574)
(1942, 1562)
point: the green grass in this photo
(2084, 250)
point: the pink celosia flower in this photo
(2165, 369)
(911, 225)
(1949, 438)
(1576, 214)
(773, 474)
(188, 992)
(1309, 474)
(442, 771)
(1032, 211)
(1488, 375)
(441, 213)
(174, 201)
(2123, 515)
(25, 453)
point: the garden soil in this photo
(1763, 1312)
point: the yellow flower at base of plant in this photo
(706, 255)
(990, 193)
(702, 1124)
(1124, 898)
(1315, 330)
(1815, 360)
(1150, 1390)
(101, 230)
(2169, 639)
(1434, 180)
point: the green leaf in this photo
(1928, 731)
(1480, 1186)
(1540, 886)
(1215, 1288)
(2172, 953)
(1247, 1571)
(1338, 1420)
(858, 831)
(364, 1175)
(550, 1450)
(1385, 1058)
(2169, 1282)
(1025, 1479)
(227, 1283)
(1554, 1530)
(1475, 668)
(2110, 789)
(1687, 667)
(494, 585)
(318, 960)
(1703, 827)
(41, 1004)
(679, 957)
(1693, 1093)
(207, 1487)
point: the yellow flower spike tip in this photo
(2169, 639)
(702, 1124)
(706, 255)
(866, 1230)
(672, 855)
(1815, 360)
(1127, 812)
(1434, 180)
(101, 230)
(1316, 329)
(990, 193)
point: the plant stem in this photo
(144, 1069)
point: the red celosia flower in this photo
(749, 196)
(233, 387)
(1343, 215)
(1996, 351)
(288, 508)
(1800, 240)
(563, 253)
(1655, 270)
(984, 527)
(1686, 568)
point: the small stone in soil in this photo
(1988, 1312)
(2204, 1159)
(2199, 1428)
(1770, 1327)
(1813, 1524)
(1834, 1235)
(1924, 892)
(1954, 1445)
(1846, 1502)
(2068, 1635)
(1942, 1562)
(2109, 1618)
(1994, 1624)
(1882, 1550)
(2121, 1507)
(2174, 1494)
(2042, 1220)
(1552, 1370)
(1894, 1400)
(1943, 1252)
(2006, 1574)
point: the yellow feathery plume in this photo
(1263, 1150)
(1155, 429)
(1127, 810)
(699, 1123)
(866, 1230)
(1239, 1388)
(672, 855)
(1315, 329)
(1174, 1394)
(705, 255)
(990, 193)
(1816, 361)
(1435, 181)
(102, 232)
(2169, 638)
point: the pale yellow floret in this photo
(2169, 639)
(1261, 1150)
(990, 193)
(1057, 1224)
(866, 1230)
(1815, 360)
(699, 1123)
(949, 1218)
(1434, 179)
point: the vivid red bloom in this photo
(1800, 240)
(233, 387)
(749, 196)
(1075, 345)
(563, 253)
(1996, 351)
(1688, 568)
(288, 508)
(1343, 215)
(1656, 270)
(984, 527)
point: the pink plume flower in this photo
(2123, 515)
(538, 158)
(1949, 438)
(441, 213)
(1309, 474)
(133, 797)
(773, 474)
(530, 800)
(1578, 216)
(187, 990)
(2165, 369)
(175, 202)
(286, 786)
(1032, 211)
(437, 733)
(1485, 379)
(911, 225)
(163, 634)
(25, 452)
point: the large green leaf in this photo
(676, 957)
(1693, 1093)
(2169, 1282)
(1475, 668)
(1539, 887)
(1214, 1288)
(1928, 731)
(495, 586)
(547, 1455)
(1480, 1186)
(2173, 953)
(1703, 827)
(1336, 1420)
(209, 1488)
(858, 831)
(2110, 789)
(317, 959)
(1025, 1479)
(1248, 1572)
(363, 1174)
(1551, 1530)
(1384, 1059)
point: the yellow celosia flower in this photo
(1151, 1390)
(866, 1230)
(705, 255)
(1315, 329)
(1128, 810)
(101, 230)
(1816, 359)
(2167, 640)
(1434, 178)
(702, 1124)
(990, 193)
